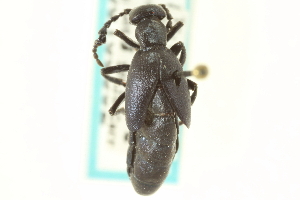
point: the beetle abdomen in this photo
(155, 146)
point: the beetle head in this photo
(146, 11)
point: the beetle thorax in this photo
(151, 33)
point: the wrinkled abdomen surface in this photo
(155, 146)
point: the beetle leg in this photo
(117, 81)
(115, 69)
(176, 48)
(177, 127)
(112, 70)
(192, 86)
(120, 111)
(126, 39)
(174, 30)
(102, 34)
(169, 17)
(171, 29)
(131, 152)
(114, 107)
(177, 77)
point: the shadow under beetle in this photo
(156, 95)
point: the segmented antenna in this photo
(169, 17)
(102, 35)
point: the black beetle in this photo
(157, 93)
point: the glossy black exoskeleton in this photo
(156, 95)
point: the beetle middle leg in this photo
(115, 106)
(118, 81)
(120, 111)
(112, 70)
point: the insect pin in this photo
(156, 94)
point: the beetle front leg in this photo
(169, 17)
(126, 39)
(179, 47)
(174, 30)
(112, 70)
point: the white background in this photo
(243, 142)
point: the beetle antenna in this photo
(169, 17)
(102, 35)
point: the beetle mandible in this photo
(156, 94)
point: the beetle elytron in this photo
(156, 95)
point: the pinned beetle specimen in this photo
(156, 94)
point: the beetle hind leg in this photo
(131, 152)
(193, 86)
(177, 127)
